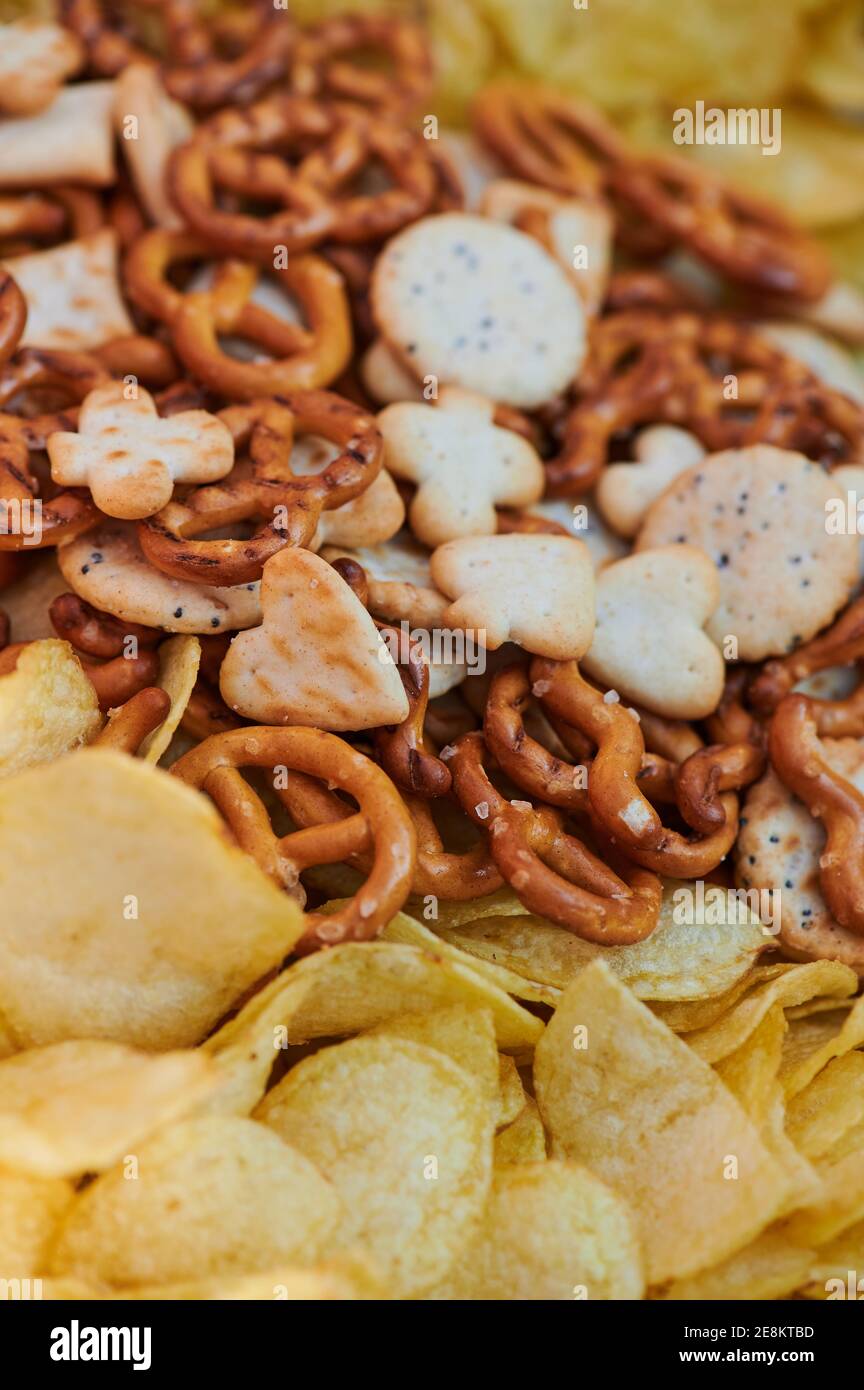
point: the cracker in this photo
(625, 491)
(107, 568)
(649, 644)
(779, 846)
(821, 354)
(72, 141)
(535, 590)
(580, 517)
(73, 294)
(316, 659)
(160, 124)
(36, 57)
(479, 305)
(760, 513)
(374, 516)
(464, 465)
(384, 376)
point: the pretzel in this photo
(64, 516)
(233, 151)
(52, 215)
(736, 759)
(36, 371)
(799, 761)
(115, 676)
(137, 717)
(194, 71)
(168, 538)
(647, 289)
(319, 67)
(839, 645)
(306, 358)
(381, 820)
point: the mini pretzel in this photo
(839, 645)
(128, 726)
(72, 375)
(552, 872)
(800, 763)
(305, 358)
(52, 215)
(381, 819)
(64, 516)
(115, 676)
(167, 538)
(319, 67)
(232, 151)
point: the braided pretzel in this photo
(800, 763)
(319, 68)
(233, 150)
(552, 872)
(257, 46)
(167, 538)
(306, 358)
(839, 645)
(381, 820)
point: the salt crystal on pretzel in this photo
(36, 57)
(625, 491)
(649, 643)
(160, 124)
(130, 458)
(317, 658)
(480, 305)
(462, 462)
(73, 295)
(72, 141)
(535, 590)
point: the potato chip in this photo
(179, 659)
(47, 706)
(502, 903)
(833, 1263)
(833, 69)
(687, 1016)
(78, 1107)
(772, 1266)
(677, 961)
(522, 1141)
(406, 928)
(237, 1198)
(619, 1092)
(406, 1138)
(463, 52)
(801, 982)
(348, 1279)
(466, 1036)
(149, 924)
(820, 1115)
(839, 1201)
(30, 1210)
(751, 1070)
(815, 1041)
(511, 1094)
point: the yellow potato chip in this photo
(678, 961)
(236, 1198)
(407, 929)
(815, 1041)
(687, 1016)
(833, 1264)
(30, 1210)
(349, 1279)
(510, 1091)
(406, 1138)
(47, 706)
(463, 52)
(621, 1093)
(502, 903)
(751, 1070)
(522, 1141)
(466, 1036)
(149, 925)
(772, 1266)
(801, 982)
(179, 659)
(78, 1107)
(551, 1231)
(833, 69)
(839, 1201)
(820, 1115)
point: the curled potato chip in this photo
(406, 1137)
(238, 1200)
(466, 1036)
(407, 929)
(770, 1267)
(30, 1210)
(619, 1092)
(350, 1279)
(77, 1107)
(523, 1140)
(814, 1042)
(550, 1231)
(677, 961)
(838, 1202)
(826, 977)
(751, 1070)
(820, 1115)
(179, 659)
(149, 924)
(511, 1095)
(47, 706)
(690, 1014)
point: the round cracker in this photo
(481, 305)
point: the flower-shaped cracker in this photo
(130, 458)
(462, 462)
(625, 491)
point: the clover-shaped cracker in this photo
(36, 57)
(536, 590)
(462, 462)
(316, 659)
(130, 458)
(649, 644)
(625, 491)
(73, 294)
(71, 141)
(374, 516)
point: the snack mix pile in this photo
(431, 734)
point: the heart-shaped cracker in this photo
(625, 491)
(36, 57)
(536, 590)
(316, 659)
(649, 644)
(130, 458)
(158, 125)
(462, 462)
(71, 141)
(73, 294)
